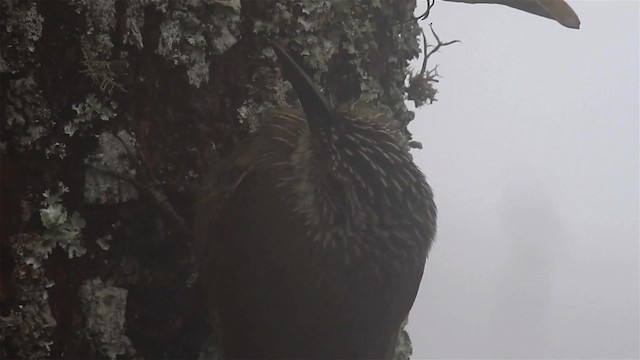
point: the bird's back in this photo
(280, 294)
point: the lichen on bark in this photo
(144, 89)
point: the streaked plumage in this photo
(314, 234)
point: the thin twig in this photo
(425, 15)
(434, 49)
(440, 43)
(156, 196)
(138, 161)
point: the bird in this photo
(558, 10)
(312, 235)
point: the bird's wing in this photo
(276, 136)
(217, 187)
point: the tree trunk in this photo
(111, 111)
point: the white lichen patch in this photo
(27, 115)
(105, 242)
(29, 326)
(61, 229)
(104, 308)
(90, 110)
(111, 155)
(20, 33)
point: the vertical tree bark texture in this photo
(110, 106)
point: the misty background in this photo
(532, 151)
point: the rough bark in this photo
(110, 112)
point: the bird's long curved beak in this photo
(558, 10)
(317, 109)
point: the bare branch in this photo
(420, 89)
(425, 15)
(435, 48)
(156, 196)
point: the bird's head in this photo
(350, 171)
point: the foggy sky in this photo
(532, 151)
